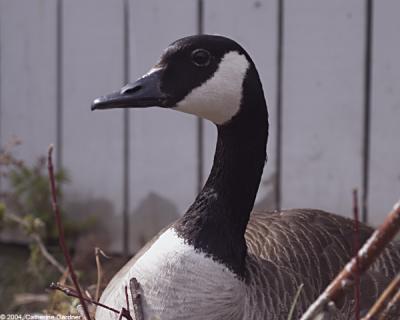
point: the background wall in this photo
(57, 56)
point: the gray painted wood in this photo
(253, 25)
(28, 64)
(323, 106)
(163, 142)
(385, 112)
(322, 100)
(92, 141)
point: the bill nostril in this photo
(129, 89)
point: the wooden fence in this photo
(331, 75)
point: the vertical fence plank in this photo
(163, 142)
(28, 71)
(385, 112)
(322, 113)
(93, 62)
(253, 25)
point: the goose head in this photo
(202, 75)
(214, 78)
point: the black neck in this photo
(217, 220)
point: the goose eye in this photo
(201, 57)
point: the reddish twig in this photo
(379, 304)
(136, 299)
(60, 228)
(125, 313)
(390, 307)
(356, 248)
(71, 293)
(366, 255)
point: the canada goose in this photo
(218, 261)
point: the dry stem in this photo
(386, 295)
(136, 299)
(356, 248)
(36, 237)
(60, 228)
(124, 313)
(98, 252)
(390, 307)
(71, 293)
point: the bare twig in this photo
(296, 298)
(71, 293)
(61, 237)
(47, 254)
(136, 299)
(356, 248)
(36, 237)
(390, 307)
(384, 297)
(98, 252)
(126, 298)
(366, 255)
(27, 298)
(125, 313)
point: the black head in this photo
(202, 75)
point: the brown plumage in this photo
(305, 246)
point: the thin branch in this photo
(123, 313)
(136, 299)
(71, 293)
(385, 296)
(390, 307)
(61, 237)
(366, 255)
(356, 248)
(36, 237)
(296, 298)
(28, 298)
(126, 298)
(47, 255)
(98, 252)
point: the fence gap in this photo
(279, 100)
(200, 124)
(126, 133)
(367, 107)
(59, 84)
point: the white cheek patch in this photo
(218, 99)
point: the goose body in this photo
(219, 260)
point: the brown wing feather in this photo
(313, 246)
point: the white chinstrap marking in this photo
(219, 98)
(178, 282)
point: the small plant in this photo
(25, 206)
(28, 195)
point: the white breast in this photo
(178, 282)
